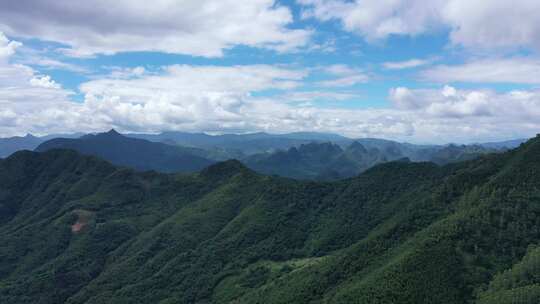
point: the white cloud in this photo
(448, 102)
(345, 76)
(340, 70)
(345, 81)
(308, 96)
(494, 23)
(33, 102)
(407, 64)
(44, 81)
(192, 27)
(120, 72)
(188, 97)
(509, 70)
(456, 115)
(376, 19)
(52, 64)
(208, 98)
(7, 48)
(512, 107)
(483, 24)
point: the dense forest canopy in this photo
(76, 229)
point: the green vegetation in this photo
(519, 285)
(134, 153)
(328, 161)
(75, 229)
(311, 160)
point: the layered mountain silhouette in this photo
(11, 145)
(240, 145)
(131, 152)
(320, 161)
(329, 161)
(77, 229)
(302, 155)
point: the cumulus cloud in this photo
(508, 70)
(7, 47)
(189, 97)
(484, 24)
(226, 99)
(448, 102)
(32, 102)
(478, 112)
(44, 81)
(192, 27)
(375, 19)
(207, 98)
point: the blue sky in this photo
(410, 70)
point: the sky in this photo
(410, 70)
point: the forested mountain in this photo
(75, 229)
(134, 153)
(319, 161)
(520, 284)
(241, 144)
(328, 161)
(313, 160)
(11, 145)
(507, 144)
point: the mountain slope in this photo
(75, 229)
(134, 153)
(319, 161)
(329, 161)
(242, 144)
(520, 284)
(11, 145)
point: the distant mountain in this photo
(131, 152)
(76, 229)
(11, 145)
(319, 161)
(328, 161)
(508, 144)
(238, 145)
(457, 153)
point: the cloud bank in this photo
(478, 24)
(207, 98)
(191, 27)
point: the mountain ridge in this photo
(398, 233)
(135, 153)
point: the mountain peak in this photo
(112, 132)
(225, 169)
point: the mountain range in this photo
(132, 152)
(11, 145)
(329, 161)
(76, 229)
(246, 144)
(315, 159)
